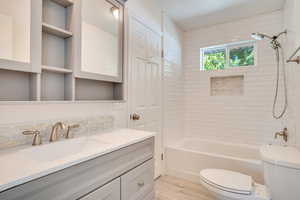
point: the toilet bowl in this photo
(281, 172)
(229, 185)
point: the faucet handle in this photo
(68, 133)
(37, 139)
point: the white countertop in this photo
(24, 165)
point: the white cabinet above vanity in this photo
(100, 40)
(61, 50)
(113, 166)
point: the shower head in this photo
(274, 39)
(260, 36)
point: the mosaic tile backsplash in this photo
(11, 134)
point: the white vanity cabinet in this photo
(110, 191)
(124, 174)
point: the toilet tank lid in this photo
(281, 155)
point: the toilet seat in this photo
(228, 181)
(229, 185)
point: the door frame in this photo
(128, 16)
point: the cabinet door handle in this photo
(141, 183)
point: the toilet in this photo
(281, 172)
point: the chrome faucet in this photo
(283, 134)
(54, 133)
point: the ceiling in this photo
(193, 14)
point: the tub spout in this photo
(283, 134)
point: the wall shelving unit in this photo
(51, 74)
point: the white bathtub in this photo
(187, 158)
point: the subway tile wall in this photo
(240, 119)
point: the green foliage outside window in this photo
(214, 59)
(242, 56)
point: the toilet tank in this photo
(281, 171)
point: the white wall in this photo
(291, 23)
(173, 82)
(244, 119)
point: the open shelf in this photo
(56, 52)
(91, 90)
(64, 3)
(50, 29)
(56, 69)
(56, 86)
(17, 86)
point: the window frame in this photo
(227, 48)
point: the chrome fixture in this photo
(55, 129)
(68, 134)
(274, 39)
(283, 134)
(297, 59)
(277, 47)
(37, 140)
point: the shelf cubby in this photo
(59, 32)
(91, 90)
(55, 51)
(56, 14)
(56, 86)
(17, 86)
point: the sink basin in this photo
(62, 149)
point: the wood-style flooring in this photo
(171, 188)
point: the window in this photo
(231, 55)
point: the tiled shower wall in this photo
(291, 23)
(232, 118)
(173, 83)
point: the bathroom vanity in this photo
(111, 166)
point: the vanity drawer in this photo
(138, 183)
(110, 191)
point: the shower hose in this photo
(279, 116)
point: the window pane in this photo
(214, 59)
(241, 56)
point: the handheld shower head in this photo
(275, 44)
(260, 36)
(257, 36)
(274, 39)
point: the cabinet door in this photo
(138, 184)
(110, 191)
